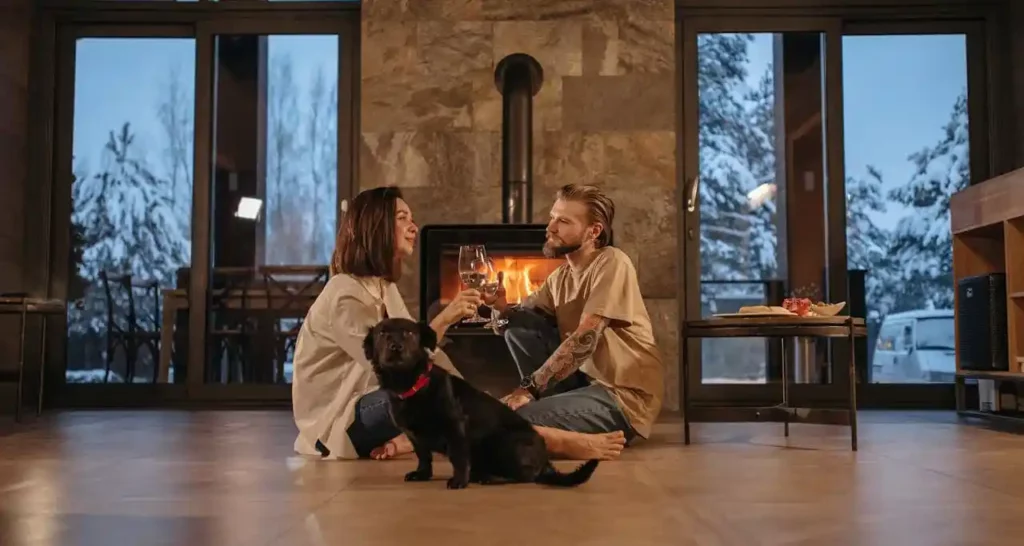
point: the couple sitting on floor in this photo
(590, 385)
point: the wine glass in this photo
(477, 272)
(490, 288)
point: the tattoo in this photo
(572, 353)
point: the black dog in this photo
(483, 438)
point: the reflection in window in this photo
(132, 200)
(276, 141)
(906, 153)
(302, 149)
(275, 144)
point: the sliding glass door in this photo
(761, 142)
(910, 144)
(182, 153)
(818, 161)
(273, 159)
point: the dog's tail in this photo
(551, 476)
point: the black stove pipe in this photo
(518, 78)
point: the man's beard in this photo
(552, 250)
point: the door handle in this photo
(691, 199)
(344, 205)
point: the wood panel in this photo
(989, 203)
(15, 31)
(1014, 238)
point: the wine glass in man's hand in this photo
(495, 295)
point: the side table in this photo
(24, 306)
(766, 326)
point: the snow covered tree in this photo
(128, 226)
(867, 244)
(77, 284)
(922, 245)
(736, 133)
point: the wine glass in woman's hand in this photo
(475, 271)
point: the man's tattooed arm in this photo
(572, 353)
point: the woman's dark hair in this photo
(365, 246)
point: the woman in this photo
(338, 409)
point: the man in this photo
(583, 342)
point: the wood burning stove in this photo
(481, 356)
(515, 246)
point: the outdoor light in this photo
(757, 196)
(249, 208)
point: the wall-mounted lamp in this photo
(761, 194)
(249, 208)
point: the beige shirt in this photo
(330, 371)
(627, 360)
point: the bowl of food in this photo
(804, 307)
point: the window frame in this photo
(990, 141)
(58, 25)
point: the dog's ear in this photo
(368, 344)
(428, 337)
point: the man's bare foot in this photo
(397, 446)
(579, 446)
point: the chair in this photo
(23, 306)
(288, 290)
(127, 332)
(233, 326)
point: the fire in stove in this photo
(523, 273)
(517, 281)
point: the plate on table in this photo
(753, 315)
(758, 311)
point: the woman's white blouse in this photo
(330, 370)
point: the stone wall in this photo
(606, 115)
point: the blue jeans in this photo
(373, 425)
(573, 404)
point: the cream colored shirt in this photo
(627, 360)
(331, 372)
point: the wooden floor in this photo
(229, 478)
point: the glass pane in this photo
(132, 202)
(275, 195)
(762, 175)
(906, 154)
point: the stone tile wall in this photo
(431, 120)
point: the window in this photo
(906, 153)
(935, 334)
(760, 105)
(275, 150)
(276, 104)
(131, 200)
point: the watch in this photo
(529, 385)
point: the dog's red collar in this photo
(422, 381)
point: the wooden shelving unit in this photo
(987, 222)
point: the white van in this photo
(915, 347)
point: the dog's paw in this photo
(456, 483)
(418, 476)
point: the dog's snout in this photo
(392, 346)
